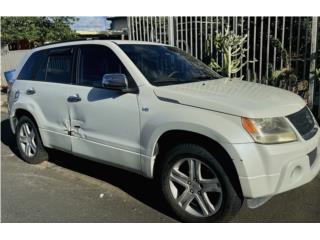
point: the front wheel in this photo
(197, 187)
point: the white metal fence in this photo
(195, 35)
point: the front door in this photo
(104, 123)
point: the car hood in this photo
(234, 97)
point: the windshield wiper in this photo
(175, 81)
(164, 82)
(202, 77)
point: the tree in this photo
(37, 29)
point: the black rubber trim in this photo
(310, 134)
(168, 100)
(312, 156)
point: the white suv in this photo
(212, 142)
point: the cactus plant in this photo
(284, 77)
(317, 74)
(231, 46)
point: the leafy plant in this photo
(232, 48)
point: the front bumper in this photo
(267, 170)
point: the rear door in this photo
(104, 123)
(46, 91)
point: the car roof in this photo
(119, 42)
(81, 42)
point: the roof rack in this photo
(74, 40)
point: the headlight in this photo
(269, 130)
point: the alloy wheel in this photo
(27, 140)
(195, 187)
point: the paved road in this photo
(71, 189)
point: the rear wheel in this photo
(29, 142)
(197, 187)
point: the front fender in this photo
(222, 128)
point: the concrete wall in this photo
(9, 61)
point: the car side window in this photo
(30, 68)
(95, 61)
(59, 66)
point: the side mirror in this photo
(115, 81)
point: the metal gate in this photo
(195, 35)
(314, 89)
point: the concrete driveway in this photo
(71, 189)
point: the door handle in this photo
(74, 98)
(30, 91)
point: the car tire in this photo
(29, 142)
(208, 197)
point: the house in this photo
(118, 27)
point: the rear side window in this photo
(95, 61)
(40, 72)
(59, 67)
(31, 67)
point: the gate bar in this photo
(171, 31)
(313, 54)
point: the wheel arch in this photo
(18, 113)
(172, 137)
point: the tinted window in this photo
(40, 72)
(31, 67)
(163, 65)
(59, 67)
(95, 61)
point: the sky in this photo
(91, 24)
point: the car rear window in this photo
(59, 68)
(52, 65)
(30, 69)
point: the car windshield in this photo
(165, 65)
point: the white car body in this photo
(127, 133)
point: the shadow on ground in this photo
(7, 137)
(142, 189)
